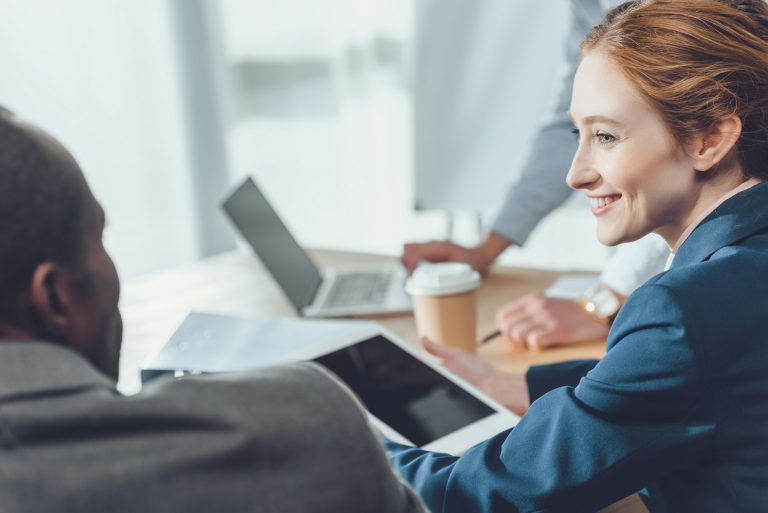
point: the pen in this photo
(490, 336)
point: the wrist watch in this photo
(602, 303)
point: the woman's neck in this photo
(711, 193)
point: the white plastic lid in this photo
(442, 279)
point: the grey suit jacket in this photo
(286, 439)
(541, 186)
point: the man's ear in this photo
(50, 299)
(714, 145)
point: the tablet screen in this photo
(406, 394)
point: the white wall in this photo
(335, 147)
(101, 77)
(327, 131)
(334, 153)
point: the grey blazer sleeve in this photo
(285, 439)
(326, 456)
(541, 186)
(396, 495)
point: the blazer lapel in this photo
(737, 218)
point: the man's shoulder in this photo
(295, 387)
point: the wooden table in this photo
(237, 284)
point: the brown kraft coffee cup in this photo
(444, 303)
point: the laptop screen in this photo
(259, 224)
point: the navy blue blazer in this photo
(680, 399)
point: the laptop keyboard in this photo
(369, 288)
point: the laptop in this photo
(329, 292)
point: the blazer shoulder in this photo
(731, 267)
(719, 299)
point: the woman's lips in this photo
(602, 204)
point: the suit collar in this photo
(28, 368)
(735, 219)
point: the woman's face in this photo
(637, 178)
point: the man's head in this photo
(57, 282)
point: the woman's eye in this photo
(575, 132)
(604, 138)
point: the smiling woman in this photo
(696, 66)
(670, 116)
(669, 103)
(638, 177)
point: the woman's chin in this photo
(612, 238)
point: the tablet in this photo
(411, 399)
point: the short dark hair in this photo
(42, 210)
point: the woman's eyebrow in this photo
(590, 120)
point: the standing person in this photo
(669, 106)
(536, 321)
(287, 439)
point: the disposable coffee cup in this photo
(444, 303)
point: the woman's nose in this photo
(582, 173)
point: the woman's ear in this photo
(712, 147)
(50, 300)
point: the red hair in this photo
(697, 62)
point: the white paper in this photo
(206, 342)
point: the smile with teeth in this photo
(603, 201)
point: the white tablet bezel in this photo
(453, 443)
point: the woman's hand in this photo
(536, 321)
(510, 389)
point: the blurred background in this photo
(367, 123)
